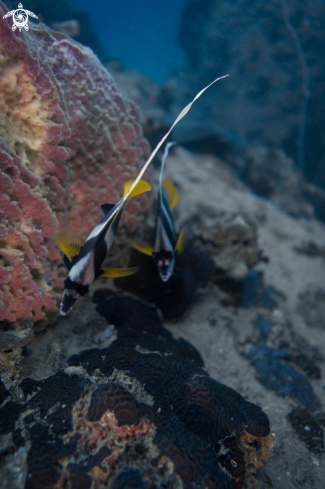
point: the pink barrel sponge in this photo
(68, 141)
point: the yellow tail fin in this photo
(142, 246)
(67, 244)
(141, 187)
(172, 193)
(118, 272)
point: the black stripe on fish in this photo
(100, 252)
(79, 288)
(98, 244)
(166, 217)
(106, 208)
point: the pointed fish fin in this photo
(68, 244)
(142, 246)
(172, 193)
(141, 187)
(117, 272)
(181, 241)
(105, 208)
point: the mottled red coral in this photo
(68, 141)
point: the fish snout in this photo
(165, 278)
(165, 265)
(69, 298)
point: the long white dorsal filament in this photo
(161, 142)
(98, 229)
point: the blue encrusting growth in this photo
(254, 293)
(276, 370)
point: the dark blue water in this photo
(141, 33)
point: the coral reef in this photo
(273, 54)
(68, 140)
(71, 21)
(140, 413)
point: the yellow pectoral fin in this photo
(172, 193)
(118, 272)
(67, 244)
(141, 187)
(143, 247)
(181, 241)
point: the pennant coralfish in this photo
(166, 243)
(84, 262)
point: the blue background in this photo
(141, 32)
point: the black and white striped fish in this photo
(84, 262)
(166, 243)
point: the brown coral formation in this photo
(68, 141)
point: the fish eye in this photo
(167, 262)
(160, 263)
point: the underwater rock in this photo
(140, 413)
(10, 370)
(68, 141)
(231, 241)
(270, 173)
(15, 339)
(193, 269)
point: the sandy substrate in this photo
(207, 186)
